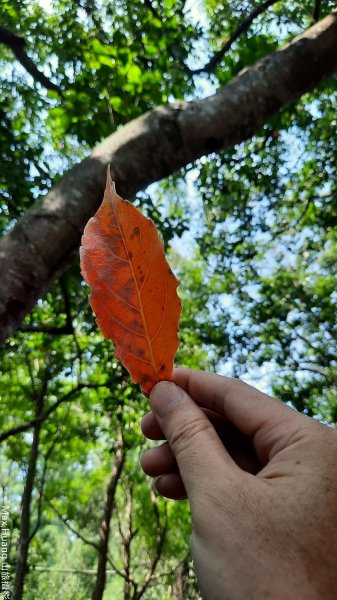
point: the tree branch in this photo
(29, 424)
(152, 9)
(325, 355)
(66, 329)
(50, 329)
(90, 9)
(65, 521)
(45, 240)
(85, 540)
(125, 538)
(69, 322)
(109, 504)
(17, 45)
(218, 56)
(316, 11)
(161, 536)
(127, 541)
(24, 537)
(42, 484)
(73, 571)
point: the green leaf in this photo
(134, 74)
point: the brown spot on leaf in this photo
(135, 233)
(136, 325)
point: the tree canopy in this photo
(229, 111)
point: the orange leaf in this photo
(133, 290)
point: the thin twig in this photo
(161, 536)
(110, 111)
(65, 521)
(217, 57)
(152, 9)
(70, 324)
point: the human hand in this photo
(261, 480)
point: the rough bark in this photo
(109, 501)
(149, 148)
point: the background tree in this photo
(250, 231)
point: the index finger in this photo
(248, 409)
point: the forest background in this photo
(219, 121)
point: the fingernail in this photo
(165, 395)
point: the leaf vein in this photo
(122, 324)
(164, 314)
(110, 290)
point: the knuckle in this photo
(231, 385)
(185, 432)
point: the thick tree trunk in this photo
(149, 148)
(109, 500)
(24, 539)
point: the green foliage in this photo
(270, 222)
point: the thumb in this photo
(192, 438)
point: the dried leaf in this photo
(133, 290)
